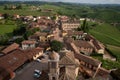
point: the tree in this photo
(19, 7)
(4, 39)
(5, 7)
(19, 40)
(84, 26)
(5, 16)
(56, 45)
(27, 34)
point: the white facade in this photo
(27, 46)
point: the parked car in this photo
(37, 73)
(38, 60)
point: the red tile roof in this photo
(81, 43)
(41, 34)
(28, 42)
(87, 59)
(10, 48)
(32, 52)
(95, 43)
(67, 58)
(70, 32)
(13, 60)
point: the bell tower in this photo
(53, 66)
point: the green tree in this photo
(27, 34)
(84, 26)
(19, 40)
(4, 39)
(5, 7)
(56, 45)
(19, 7)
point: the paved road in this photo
(27, 72)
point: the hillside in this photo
(106, 13)
(107, 34)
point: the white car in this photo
(37, 73)
(38, 60)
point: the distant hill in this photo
(105, 12)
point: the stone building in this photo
(53, 66)
(27, 44)
(70, 25)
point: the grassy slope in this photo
(106, 34)
(6, 28)
(115, 50)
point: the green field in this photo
(115, 50)
(106, 34)
(6, 28)
(24, 11)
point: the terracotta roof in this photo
(33, 37)
(70, 32)
(64, 18)
(32, 52)
(33, 24)
(67, 73)
(28, 42)
(89, 37)
(67, 58)
(44, 45)
(1, 15)
(41, 34)
(95, 43)
(13, 60)
(10, 48)
(87, 59)
(81, 43)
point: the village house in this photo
(69, 25)
(16, 16)
(83, 46)
(33, 25)
(63, 18)
(34, 53)
(42, 36)
(98, 47)
(10, 48)
(78, 35)
(1, 16)
(33, 37)
(39, 37)
(27, 44)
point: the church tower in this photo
(53, 66)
